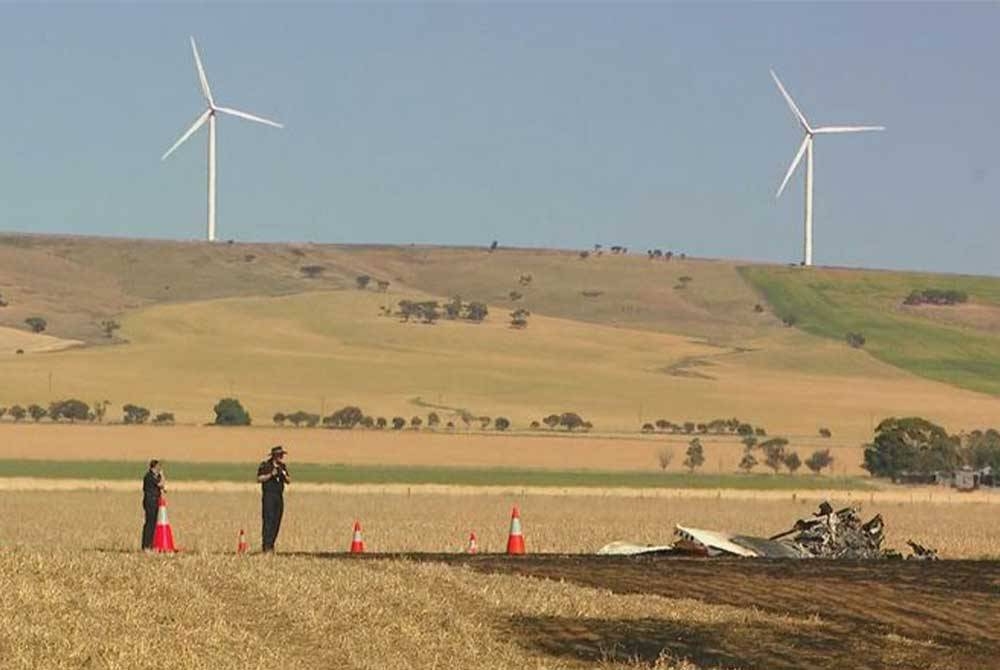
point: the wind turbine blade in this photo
(248, 117)
(795, 164)
(201, 75)
(190, 131)
(846, 129)
(791, 103)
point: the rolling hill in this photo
(620, 339)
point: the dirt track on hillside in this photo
(865, 615)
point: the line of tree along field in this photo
(430, 311)
(77, 411)
(910, 446)
(731, 426)
(774, 453)
(350, 417)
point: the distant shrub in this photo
(362, 281)
(584, 255)
(416, 422)
(279, 418)
(344, 418)
(501, 423)
(74, 410)
(398, 423)
(381, 423)
(936, 296)
(825, 432)
(37, 412)
(433, 420)
(591, 294)
(515, 296)
(109, 326)
(819, 459)
(534, 425)
(17, 413)
(134, 414)
(312, 271)
(552, 420)
(163, 418)
(758, 308)
(229, 412)
(519, 318)
(792, 462)
(647, 428)
(748, 462)
(856, 340)
(789, 320)
(36, 323)
(571, 420)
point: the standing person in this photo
(273, 476)
(153, 486)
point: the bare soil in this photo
(869, 615)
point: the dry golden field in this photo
(425, 448)
(77, 594)
(207, 521)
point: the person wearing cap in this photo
(153, 486)
(273, 476)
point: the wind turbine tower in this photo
(807, 148)
(209, 115)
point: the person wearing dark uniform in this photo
(152, 487)
(273, 476)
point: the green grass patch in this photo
(832, 303)
(378, 474)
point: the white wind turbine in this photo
(209, 115)
(807, 148)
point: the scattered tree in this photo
(519, 318)
(584, 255)
(398, 423)
(694, 457)
(3, 410)
(662, 424)
(912, 445)
(381, 423)
(748, 462)
(790, 320)
(279, 418)
(109, 326)
(774, 452)
(164, 419)
(501, 423)
(17, 413)
(312, 271)
(792, 461)
(819, 459)
(368, 422)
(664, 456)
(229, 412)
(534, 424)
(416, 422)
(134, 414)
(36, 323)
(345, 418)
(514, 296)
(552, 420)
(37, 412)
(936, 296)
(758, 308)
(74, 410)
(825, 432)
(476, 311)
(570, 421)
(362, 281)
(312, 420)
(647, 428)
(749, 442)
(433, 420)
(484, 422)
(855, 340)
(689, 427)
(383, 285)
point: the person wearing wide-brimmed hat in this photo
(273, 476)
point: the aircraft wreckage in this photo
(828, 533)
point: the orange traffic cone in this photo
(163, 538)
(241, 544)
(473, 546)
(515, 541)
(357, 544)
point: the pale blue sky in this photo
(561, 125)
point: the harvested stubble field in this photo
(78, 595)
